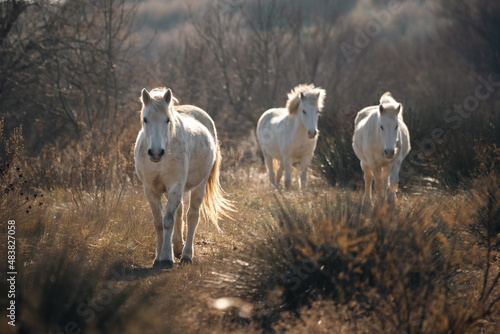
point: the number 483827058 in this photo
(11, 244)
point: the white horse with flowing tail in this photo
(177, 152)
(381, 141)
(289, 135)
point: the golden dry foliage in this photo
(413, 268)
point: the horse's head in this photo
(308, 112)
(307, 101)
(156, 121)
(388, 124)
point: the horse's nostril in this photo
(150, 152)
(162, 152)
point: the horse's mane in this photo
(390, 105)
(315, 95)
(159, 104)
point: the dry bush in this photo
(399, 265)
(66, 287)
(334, 156)
(19, 200)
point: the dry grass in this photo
(313, 262)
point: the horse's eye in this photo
(168, 120)
(396, 127)
(145, 120)
(382, 128)
(304, 112)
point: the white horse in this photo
(381, 141)
(289, 134)
(177, 152)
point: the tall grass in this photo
(404, 266)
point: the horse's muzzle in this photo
(156, 155)
(311, 134)
(389, 154)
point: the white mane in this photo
(314, 95)
(390, 105)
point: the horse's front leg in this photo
(303, 175)
(166, 259)
(287, 166)
(385, 181)
(368, 177)
(394, 181)
(154, 201)
(379, 182)
(193, 216)
(177, 237)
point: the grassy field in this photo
(287, 262)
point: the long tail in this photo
(215, 203)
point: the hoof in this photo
(163, 264)
(185, 260)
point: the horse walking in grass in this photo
(289, 135)
(177, 152)
(381, 141)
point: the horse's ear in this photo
(400, 107)
(168, 96)
(381, 109)
(145, 98)
(302, 96)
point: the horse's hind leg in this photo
(154, 201)
(193, 216)
(178, 231)
(270, 168)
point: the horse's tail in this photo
(215, 203)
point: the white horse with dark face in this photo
(381, 141)
(177, 152)
(289, 135)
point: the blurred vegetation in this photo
(74, 69)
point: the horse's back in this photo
(405, 138)
(199, 115)
(364, 131)
(363, 114)
(364, 124)
(268, 130)
(266, 118)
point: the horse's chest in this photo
(161, 179)
(302, 149)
